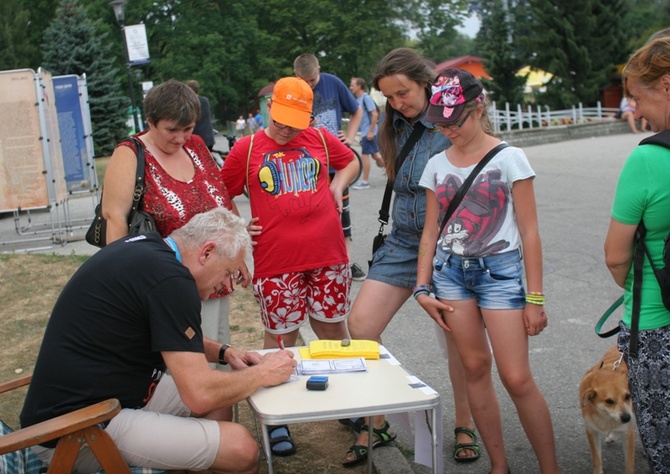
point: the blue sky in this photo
(470, 26)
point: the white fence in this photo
(544, 117)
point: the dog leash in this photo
(604, 318)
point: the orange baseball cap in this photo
(292, 103)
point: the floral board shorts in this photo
(286, 299)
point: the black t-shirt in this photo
(124, 305)
(203, 127)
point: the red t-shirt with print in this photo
(290, 194)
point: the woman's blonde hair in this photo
(648, 64)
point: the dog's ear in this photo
(589, 396)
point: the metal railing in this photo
(543, 117)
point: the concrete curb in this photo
(543, 136)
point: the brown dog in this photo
(606, 407)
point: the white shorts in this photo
(162, 435)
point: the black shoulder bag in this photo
(384, 215)
(139, 222)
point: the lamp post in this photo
(119, 7)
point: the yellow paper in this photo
(329, 349)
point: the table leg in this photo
(371, 437)
(266, 446)
(433, 419)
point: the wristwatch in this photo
(222, 353)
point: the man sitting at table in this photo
(131, 312)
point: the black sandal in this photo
(281, 443)
(381, 436)
(460, 447)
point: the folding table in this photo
(384, 389)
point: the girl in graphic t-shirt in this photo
(476, 265)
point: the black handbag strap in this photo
(460, 194)
(417, 131)
(139, 175)
(638, 263)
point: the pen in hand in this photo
(280, 341)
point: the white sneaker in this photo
(361, 185)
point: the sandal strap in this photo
(460, 447)
(272, 429)
(383, 433)
(359, 452)
(467, 431)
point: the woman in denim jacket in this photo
(405, 78)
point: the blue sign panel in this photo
(72, 134)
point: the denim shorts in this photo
(368, 147)
(395, 262)
(495, 281)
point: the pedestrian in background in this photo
(203, 125)
(240, 125)
(251, 124)
(331, 100)
(259, 120)
(368, 129)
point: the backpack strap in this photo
(251, 144)
(638, 263)
(325, 147)
(661, 139)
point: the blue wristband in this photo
(420, 290)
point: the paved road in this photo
(574, 188)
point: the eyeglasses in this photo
(285, 127)
(455, 126)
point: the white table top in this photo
(385, 388)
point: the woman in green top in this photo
(643, 195)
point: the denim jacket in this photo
(409, 204)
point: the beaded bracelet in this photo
(535, 297)
(420, 290)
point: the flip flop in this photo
(281, 443)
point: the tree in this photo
(22, 25)
(495, 43)
(349, 37)
(435, 22)
(577, 41)
(73, 45)
(235, 47)
(643, 18)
